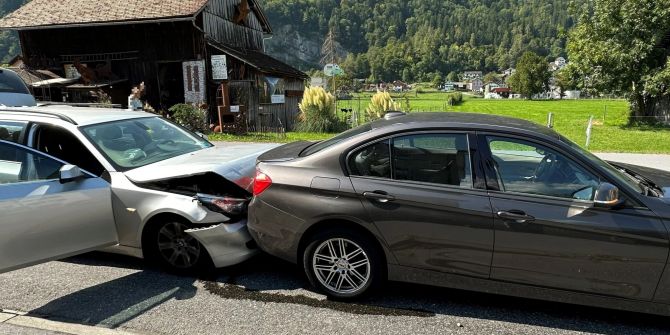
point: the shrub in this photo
(317, 112)
(189, 117)
(454, 99)
(380, 104)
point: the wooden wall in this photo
(218, 24)
(145, 44)
(287, 112)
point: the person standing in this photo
(134, 99)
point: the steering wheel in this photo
(165, 145)
(546, 168)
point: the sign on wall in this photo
(194, 81)
(278, 99)
(219, 67)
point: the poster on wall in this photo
(71, 71)
(219, 67)
(194, 81)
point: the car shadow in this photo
(113, 303)
(268, 279)
(263, 277)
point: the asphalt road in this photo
(268, 296)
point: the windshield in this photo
(335, 140)
(10, 82)
(618, 174)
(130, 144)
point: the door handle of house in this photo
(379, 196)
(516, 216)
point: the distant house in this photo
(206, 52)
(572, 95)
(561, 62)
(476, 85)
(471, 75)
(400, 86)
(490, 86)
(455, 86)
(509, 72)
(498, 93)
(558, 64)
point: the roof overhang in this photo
(289, 71)
(105, 23)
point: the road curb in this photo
(33, 325)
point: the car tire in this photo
(361, 271)
(166, 245)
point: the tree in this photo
(490, 77)
(566, 79)
(437, 80)
(532, 75)
(622, 47)
(452, 76)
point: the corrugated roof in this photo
(44, 13)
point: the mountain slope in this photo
(417, 39)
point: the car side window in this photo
(12, 131)
(19, 165)
(525, 167)
(433, 158)
(372, 161)
(62, 144)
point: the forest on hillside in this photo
(9, 41)
(419, 39)
(413, 40)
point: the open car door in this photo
(49, 209)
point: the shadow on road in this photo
(115, 302)
(271, 280)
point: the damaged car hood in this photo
(235, 162)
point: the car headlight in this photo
(228, 206)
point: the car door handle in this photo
(516, 216)
(379, 196)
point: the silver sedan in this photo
(172, 196)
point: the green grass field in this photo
(611, 132)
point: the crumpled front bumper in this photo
(227, 243)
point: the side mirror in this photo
(203, 136)
(70, 173)
(607, 196)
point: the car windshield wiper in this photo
(646, 183)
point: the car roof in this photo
(81, 116)
(463, 120)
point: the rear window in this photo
(10, 82)
(335, 140)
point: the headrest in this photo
(110, 132)
(4, 134)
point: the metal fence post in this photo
(589, 130)
(550, 120)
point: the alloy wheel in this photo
(179, 249)
(341, 265)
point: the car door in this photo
(549, 233)
(49, 211)
(418, 190)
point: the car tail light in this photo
(261, 182)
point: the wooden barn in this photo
(206, 52)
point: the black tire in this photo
(375, 274)
(191, 256)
